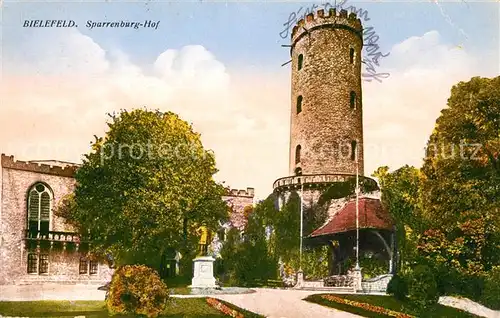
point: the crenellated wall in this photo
(238, 200)
(17, 177)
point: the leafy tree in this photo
(145, 186)
(461, 178)
(401, 196)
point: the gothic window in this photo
(299, 104)
(353, 100)
(39, 204)
(297, 154)
(93, 267)
(351, 55)
(83, 268)
(32, 263)
(354, 150)
(300, 61)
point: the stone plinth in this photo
(203, 276)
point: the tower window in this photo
(354, 150)
(299, 104)
(297, 154)
(353, 100)
(300, 60)
(351, 55)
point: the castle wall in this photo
(239, 199)
(63, 266)
(326, 124)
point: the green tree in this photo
(147, 185)
(401, 196)
(461, 177)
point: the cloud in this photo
(55, 96)
(400, 113)
(55, 100)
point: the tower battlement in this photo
(66, 170)
(332, 18)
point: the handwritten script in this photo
(371, 54)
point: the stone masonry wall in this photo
(327, 124)
(239, 199)
(63, 266)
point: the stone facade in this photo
(16, 179)
(323, 79)
(238, 200)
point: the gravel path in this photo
(278, 303)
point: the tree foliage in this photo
(401, 196)
(145, 186)
(461, 178)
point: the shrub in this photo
(398, 287)
(422, 287)
(137, 289)
(491, 289)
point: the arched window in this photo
(353, 100)
(299, 104)
(351, 55)
(39, 204)
(300, 60)
(354, 150)
(297, 154)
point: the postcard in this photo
(250, 158)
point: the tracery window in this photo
(39, 205)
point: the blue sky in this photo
(248, 32)
(218, 65)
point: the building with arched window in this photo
(38, 246)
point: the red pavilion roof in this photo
(372, 215)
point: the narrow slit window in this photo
(297, 154)
(351, 55)
(354, 150)
(300, 61)
(299, 104)
(353, 100)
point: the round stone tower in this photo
(326, 122)
(326, 128)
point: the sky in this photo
(219, 66)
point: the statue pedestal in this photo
(357, 279)
(203, 276)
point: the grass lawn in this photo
(387, 302)
(178, 307)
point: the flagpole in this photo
(301, 223)
(357, 209)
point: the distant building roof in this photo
(372, 215)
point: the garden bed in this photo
(370, 306)
(178, 307)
